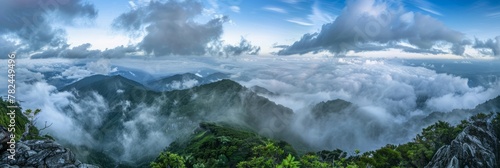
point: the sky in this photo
(370, 28)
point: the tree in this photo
(168, 160)
(289, 162)
(30, 131)
(266, 155)
(312, 160)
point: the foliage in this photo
(21, 119)
(215, 145)
(33, 132)
(312, 160)
(266, 155)
(168, 160)
(289, 162)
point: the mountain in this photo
(132, 112)
(176, 82)
(323, 109)
(103, 84)
(262, 90)
(458, 114)
(218, 145)
(132, 74)
(184, 81)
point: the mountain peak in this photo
(331, 106)
(102, 81)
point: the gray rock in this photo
(4, 138)
(474, 147)
(41, 153)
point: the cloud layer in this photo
(30, 22)
(367, 23)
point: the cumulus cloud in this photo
(81, 51)
(28, 21)
(184, 35)
(244, 47)
(218, 48)
(377, 22)
(493, 45)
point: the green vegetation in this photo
(168, 159)
(222, 146)
(216, 145)
(21, 119)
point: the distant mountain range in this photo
(184, 81)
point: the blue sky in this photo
(275, 27)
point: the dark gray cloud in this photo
(170, 27)
(50, 53)
(244, 47)
(118, 52)
(6, 48)
(491, 44)
(218, 48)
(28, 21)
(84, 51)
(81, 51)
(379, 22)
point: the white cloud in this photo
(275, 9)
(132, 4)
(101, 66)
(299, 22)
(431, 11)
(291, 1)
(318, 16)
(235, 9)
(493, 15)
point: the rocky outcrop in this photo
(40, 153)
(474, 147)
(4, 138)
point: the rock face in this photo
(40, 153)
(4, 138)
(474, 147)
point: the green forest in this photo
(219, 145)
